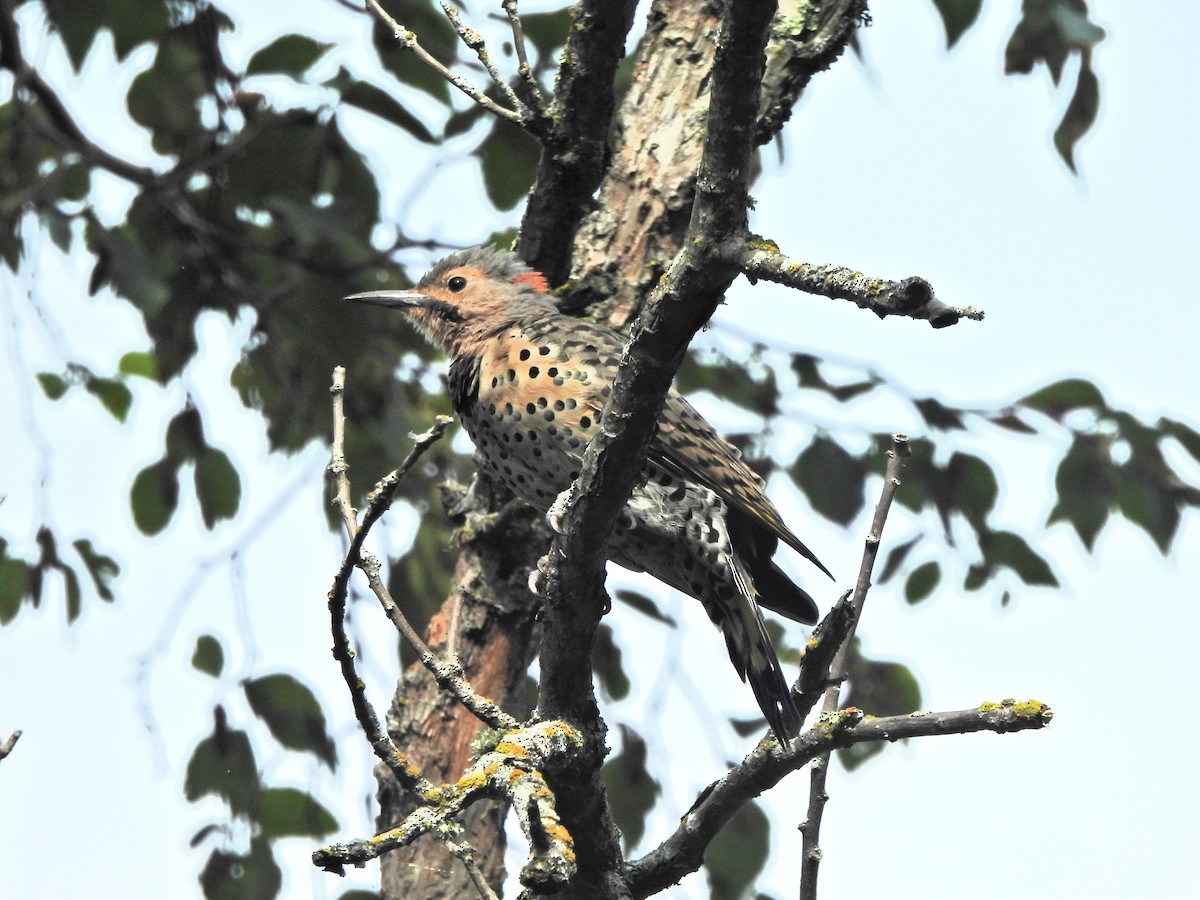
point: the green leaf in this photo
(1003, 548)
(53, 386)
(165, 98)
(14, 583)
(973, 488)
(114, 396)
(1080, 115)
(832, 480)
(808, 373)
(547, 31)
(134, 22)
(380, 103)
(185, 436)
(632, 792)
(1056, 400)
(292, 714)
(437, 37)
(880, 689)
(939, 416)
(1012, 422)
(292, 54)
(977, 576)
(645, 606)
(208, 657)
(144, 365)
(155, 495)
(1087, 487)
(74, 594)
(509, 157)
(730, 380)
(233, 876)
(895, 559)
(957, 17)
(223, 764)
(1077, 30)
(1149, 505)
(287, 812)
(736, 856)
(922, 582)
(606, 662)
(218, 487)
(1186, 436)
(103, 569)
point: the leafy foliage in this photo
(1049, 32)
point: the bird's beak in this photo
(391, 299)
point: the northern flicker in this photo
(530, 383)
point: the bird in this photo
(529, 383)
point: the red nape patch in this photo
(535, 280)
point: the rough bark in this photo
(645, 201)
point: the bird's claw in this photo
(558, 510)
(538, 576)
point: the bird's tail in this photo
(754, 657)
(780, 594)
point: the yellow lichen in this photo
(1029, 709)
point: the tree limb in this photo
(683, 852)
(912, 297)
(575, 149)
(806, 38)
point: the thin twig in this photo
(911, 297)
(447, 672)
(7, 747)
(474, 40)
(533, 90)
(811, 827)
(408, 41)
(338, 467)
(465, 854)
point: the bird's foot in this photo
(539, 575)
(558, 510)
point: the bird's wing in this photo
(686, 445)
(690, 448)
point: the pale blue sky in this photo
(918, 162)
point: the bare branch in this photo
(804, 41)
(533, 90)
(912, 297)
(576, 148)
(474, 40)
(448, 672)
(766, 766)
(8, 745)
(810, 829)
(408, 41)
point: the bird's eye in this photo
(457, 283)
